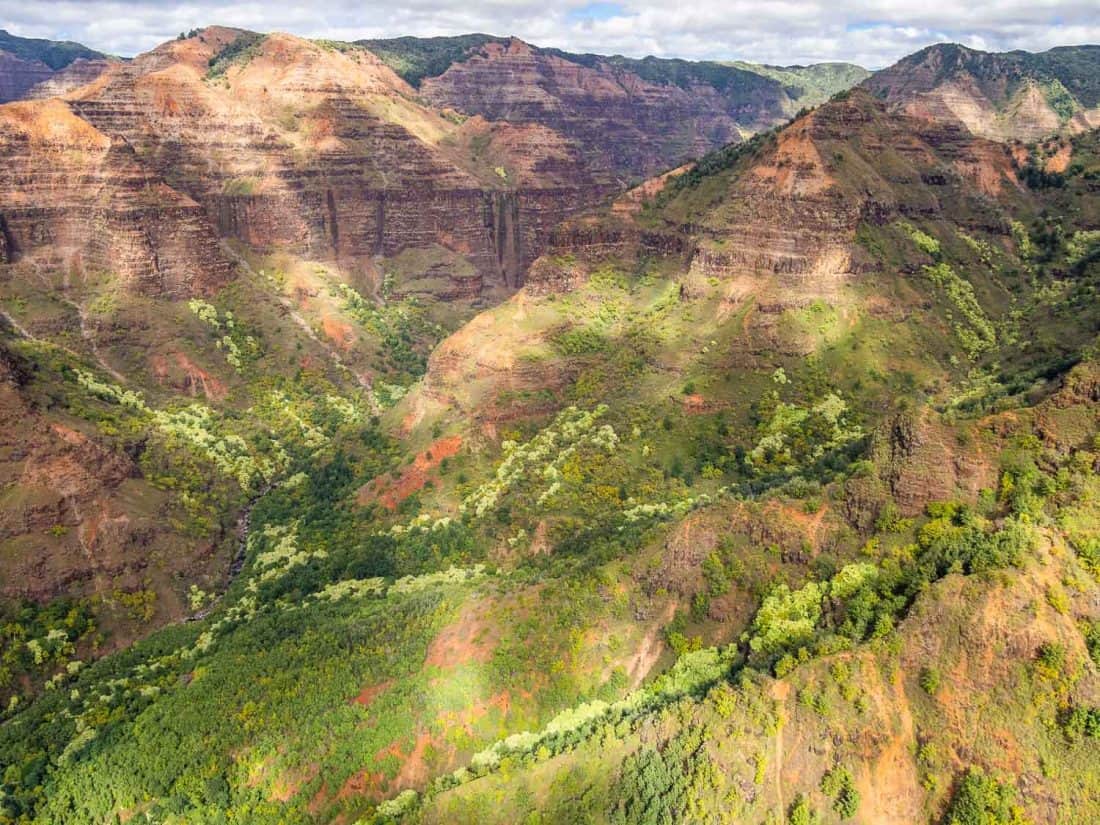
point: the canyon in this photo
(458, 429)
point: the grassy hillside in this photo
(814, 84)
(414, 58)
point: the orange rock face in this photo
(71, 196)
(328, 153)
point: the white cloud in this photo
(772, 31)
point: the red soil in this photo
(393, 492)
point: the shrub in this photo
(800, 812)
(982, 800)
(930, 680)
(1078, 723)
(839, 784)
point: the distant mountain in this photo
(1013, 95)
(637, 116)
(27, 62)
(56, 54)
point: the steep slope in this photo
(771, 492)
(27, 63)
(373, 223)
(778, 241)
(79, 518)
(1010, 96)
(630, 117)
(324, 151)
(74, 201)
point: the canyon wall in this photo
(328, 154)
(73, 199)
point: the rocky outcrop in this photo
(76, 200)
(1011, 96)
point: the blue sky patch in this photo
(597, 11)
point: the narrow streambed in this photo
(243, 531)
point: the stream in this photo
(244, 529)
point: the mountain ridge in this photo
(1012, 95)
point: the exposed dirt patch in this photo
(888, 782)
(1059, 161)
(694, 404)
(649, 651)
(391, 492)
(371, 692)
(339, 332)
(286, 787)
(414, 771)
(178, 371)
(809, 523)
(468, 716)
(471, 638)
(363, 783)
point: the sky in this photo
(873, 34)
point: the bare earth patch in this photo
(391, 492)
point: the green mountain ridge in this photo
(56, 54)
(415, 59)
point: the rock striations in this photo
(287, 143)
(76, 200)
(1010, 96)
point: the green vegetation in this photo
(982, 800)
(745, 536)
(405, 333)
(237, 53)
(56, 54)
(415, 58)
(39, 639)
(975, 333)
(811, 85)
(839, 784)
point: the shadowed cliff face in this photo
(629, 127)
(1011, 96)
(18, 76)
(629, 118)
(30, 66)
